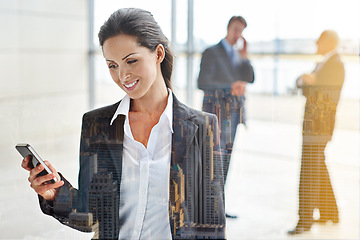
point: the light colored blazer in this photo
(330, 76)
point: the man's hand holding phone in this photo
(243, 49)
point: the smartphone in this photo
(25, 150)
(240, 44)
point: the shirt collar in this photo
(329, 55)
(123, 109)
(124, 106)
(227, 46)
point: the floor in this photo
(261, 189)
(263, 184)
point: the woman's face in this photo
(134, 68)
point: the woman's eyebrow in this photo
(127, 55)
(109, 60)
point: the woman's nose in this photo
(123, 76)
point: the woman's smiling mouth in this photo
(131, 86)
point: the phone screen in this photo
(26, 150)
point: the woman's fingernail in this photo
(39, 167)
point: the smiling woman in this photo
(134, 68)
(137, 71)
(150, 167)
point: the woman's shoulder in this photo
(105, 112)
(183, 111)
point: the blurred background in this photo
(52, 71)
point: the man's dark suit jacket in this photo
(196, 204)
(216, 76)
(217, 72)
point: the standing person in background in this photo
(322, 90)
(224, 72)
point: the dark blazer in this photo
(216, 70)
(196, 204)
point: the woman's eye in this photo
(112, 66)
(132, 61)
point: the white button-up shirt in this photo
(144, 188)
(231, 52)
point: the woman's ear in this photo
(160, 53)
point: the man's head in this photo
(327, 42)
(235, 27)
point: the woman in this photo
(148, 165)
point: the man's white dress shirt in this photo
(231, 52)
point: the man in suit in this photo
(322, 90)
(224, 72)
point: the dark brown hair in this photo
(141, 24)
(237, 18)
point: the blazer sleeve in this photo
(60, 208)
(207, 69)
(68, 197)
(218, 157)
(219, 177)
(245, 71)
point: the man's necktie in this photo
(233, 57)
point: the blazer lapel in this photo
(183, 136)
(184, 132)
(115, 144)
(222, 54)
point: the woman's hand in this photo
(45, 189)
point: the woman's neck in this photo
(153, 101)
